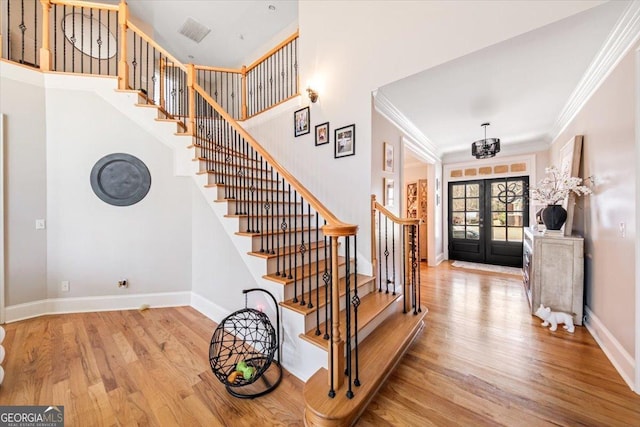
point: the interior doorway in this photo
(487, 219)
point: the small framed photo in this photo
(388, 157)
(322, 134)
(345, 141)
(389, 196)
(301, 122)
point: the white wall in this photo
(219, 274)
(93, 244)
(22, 100)
(607, 122)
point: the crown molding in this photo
(420, 143)
(621, 39)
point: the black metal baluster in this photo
(73, 39)
(295, 66)
(413, 269)
(393, 256)
(277, 247)
(99, 40)
(294, 239)
(386, 253)
(134, 62)
(254, 191)
(379, 251)
(9, 30)
(284, 227)
(317, 242)
(347, 308)
(91, 41)
(55, 36)
(36, 56)
(418, 273)
(273, 229)
(302, 249)
(23, 28)
(310, 304)
(109, 42)
(64, 43)
(147, 73)
(327, 284)
(355, 301)
(81, 39)
(404, 268)
(267, 204)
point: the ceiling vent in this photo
(194, 30)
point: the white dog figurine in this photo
(554, 318)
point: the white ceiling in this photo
(520, 85)
(238, 28)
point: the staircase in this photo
(344, 331)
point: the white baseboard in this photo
(618, 356)
(29, 310)
(208, 308)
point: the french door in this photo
(486, 220)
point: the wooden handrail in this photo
(86, 4)
(219, 69)
(156, 46)
(272, 51)
(334, 226)
(392, 216)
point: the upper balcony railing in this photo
(92, 38)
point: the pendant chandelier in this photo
(485, 148)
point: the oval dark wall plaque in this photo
(120, 179)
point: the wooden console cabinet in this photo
(553, 272)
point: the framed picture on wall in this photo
(322, 134)
(301, 122)
(388, 157)
(389, 195)
(345, 141)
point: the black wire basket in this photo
(242, 349)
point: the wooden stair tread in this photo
(379, 353)
(320, 295)
(269, 233)
(301, 272)
(265, 216)
(289, 250)
(252, 201)
(371, 305)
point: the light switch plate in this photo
(40, 224)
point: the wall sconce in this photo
(313, 95)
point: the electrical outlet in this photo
(64, 286)
(40, 224)
(622, 230)
(123, 283)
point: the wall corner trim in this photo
(621, 39)
(422, 145)
(619, 357)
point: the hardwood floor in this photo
(481, 360)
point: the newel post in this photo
(337, 343)
(45, 50)
(244, 92)
(123, 66)
(191, 73)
